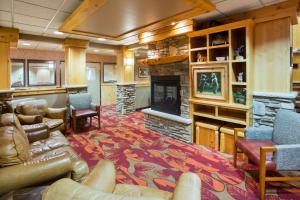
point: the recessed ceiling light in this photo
(26, 44)
(173, 23)
(58, 33)
(96, 50)
(101, 39)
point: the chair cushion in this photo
(286, 127)
(80, 101)
(55, 140)
(85, 113)
(52, 123)
(141, 191)
(252, 150)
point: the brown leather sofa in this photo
(32, 111)
(34, 157)
(101, 185)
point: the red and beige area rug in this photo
(144, 157)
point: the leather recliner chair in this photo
(36, 111)
(36, 157)
(101, 185)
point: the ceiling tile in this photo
(59, 20)
(33, 10)
(230, 7)
(32, 29)
(53, 4)
(5, 16)
(70, 5)
(5, 5)
(5, 23)
(23, 19)
(209, 16)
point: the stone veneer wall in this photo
(265, 105)
(174, 129)
(125, 98)
(176, 69)
(167, 126)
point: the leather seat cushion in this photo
(55, 140)
(85, 113)
(53, 123)
(35, 107)
(252, 150)
(141, 191)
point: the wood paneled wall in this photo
(272, 72)
(4, 66)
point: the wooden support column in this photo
(8, 36)
(125, 63)
(75, 62)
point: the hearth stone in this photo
(266, 104)
(170, 125)
(125, 98)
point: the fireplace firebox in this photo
(165, 94)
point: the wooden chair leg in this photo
(234, 155)
(262, 174)
(99, 121)
(91, 118)
(74, 124)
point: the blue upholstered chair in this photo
(273, 149)
(81, 106)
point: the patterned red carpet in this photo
(144, 157)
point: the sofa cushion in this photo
(35, 107)
(55, 140)
(81, 100)
(52, 123)
(14, 148)
(141, 191)
(252, 150)
(286, 127)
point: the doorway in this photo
(94, 81)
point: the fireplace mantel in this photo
(164, 60)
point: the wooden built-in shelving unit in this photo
(201, 42)
(164, 60)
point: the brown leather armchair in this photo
(34, 157)
(36, 111)
(101, 185)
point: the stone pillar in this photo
(125, 86)
(75, 62)
(125, 98)
(265, 105)
(8, 36)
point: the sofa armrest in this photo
(36, 132)
(32, 173)
(57, 113)
(30, 119)
(102, 177)
(259, 133)
(188, 187)
(287, 157)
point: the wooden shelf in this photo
(239, 83)
(219, 46)
(231, 120)
(238, 61)
(199, 49)
(222, 104)
(164, 60)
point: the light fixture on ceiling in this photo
(26, 44)
(96, 50)
(58, 33)
(101, 39)
(173, 23)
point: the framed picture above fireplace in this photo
(210, 82)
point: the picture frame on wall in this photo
(144, 72)
(210, 82)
